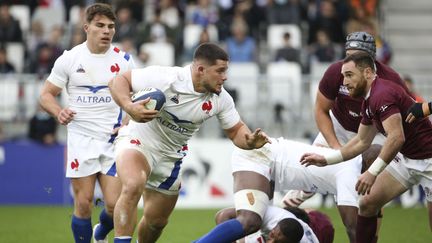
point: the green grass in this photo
(52, 224)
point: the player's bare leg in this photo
(83, 190)
(349, 218)
(133, 170)
(111, 187)
(157, 209)
(385, 188)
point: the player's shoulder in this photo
(117, 53)
(334, 68)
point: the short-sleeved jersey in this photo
(275, 214)
(384, 99)
(347, 109)
(185, 109)
(85, 76)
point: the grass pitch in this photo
(52, 224)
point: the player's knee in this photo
(83, 206)
(132, 189)
(157, 225)
(368, 207)
(250, 221)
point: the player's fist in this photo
(418, 110)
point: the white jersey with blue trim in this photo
(184, 112)
(85, 76)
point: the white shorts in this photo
(280, 161)
(410, 172)
(344, 135)
(87, 156)
(165, 171)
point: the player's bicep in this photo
(50, 89)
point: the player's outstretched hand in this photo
(257, 139)
(418, 110)
(139, 113)
(65, 116)
(364, 183)
(313, 159)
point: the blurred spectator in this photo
(357, 20)
(126, 26)
(43, 127)
(287, 52)
(5, 65)
(383, 49)
(2, 134)
(324, 50)
(42, 60)
(154, 31)
(283, 11)
(10, 30)
(170, 14)
(410, 84)
(77, 37)
(203, 13)
(327, 19)
(369, 6)
(35, 36)
(240, 46)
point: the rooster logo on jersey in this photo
(207, 106)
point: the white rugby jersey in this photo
(272, 217)
(184, 112)
(85, 76)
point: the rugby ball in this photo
(157, 98)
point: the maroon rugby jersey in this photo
(385, 99)
(347, 109)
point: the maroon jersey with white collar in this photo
(387, 98)
(347, 109)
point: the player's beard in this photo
(360, 90)
(211, 89)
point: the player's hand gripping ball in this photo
(157, 98)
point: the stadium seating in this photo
(275, 34)
(22, 14)
(49, 17)
(284, 83)
(191, 34)
(160, 53)
(244, 79)
(9, 97)
(317, 72)
(15, 54)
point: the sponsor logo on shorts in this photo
(250, 198)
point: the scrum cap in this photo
(361, 41)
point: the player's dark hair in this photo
(99, 9)
(362, 60)
(299, 213)
(210, 53)
(291, 229)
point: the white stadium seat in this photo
(285, 84)
(15, 54)
(192, 32)
(160, 53)
(22, 14)
(317, 72)
(49, 17)
(244, 78)
(9, 97)
(275, 34)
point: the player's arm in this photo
(419, 110)
(50, 104)
(323, 120)
(243, 138)
(121, 87)
(354, 147)
(393, 143)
